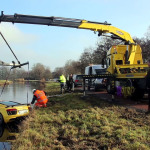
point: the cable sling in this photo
(10, 48)
(28, 84)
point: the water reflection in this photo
(8, 133)
(19, 92)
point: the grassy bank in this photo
(73, 122)
(52, 88)
(2, 82)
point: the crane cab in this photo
(118, 61)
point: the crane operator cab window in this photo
(119, 62)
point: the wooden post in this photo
(83, 86)
(73, 86)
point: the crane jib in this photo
(101, 27)
(41, 20)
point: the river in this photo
(18, 92)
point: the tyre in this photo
(140, 88)
(1, 131)
(1, 119)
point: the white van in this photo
(96, 70)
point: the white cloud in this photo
(14, 35)
(18, 41)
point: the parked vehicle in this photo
(96, 83)
(55, 79)
(78, 80)
(9, 111)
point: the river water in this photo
(18, 92)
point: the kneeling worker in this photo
(41, 98)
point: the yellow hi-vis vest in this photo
(62, 79)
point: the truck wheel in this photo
(1, 131)
(1, 119)
(140, 89)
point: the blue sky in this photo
(53, 46)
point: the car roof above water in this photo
(9, 103)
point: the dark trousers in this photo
(62, 87)
(69, 86)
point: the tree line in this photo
(89, 56)
(37, 72)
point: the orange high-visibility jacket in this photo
(41, 97)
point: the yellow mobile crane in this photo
(124, 62)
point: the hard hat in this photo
(33, 90)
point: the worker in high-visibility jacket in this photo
(41, 98)
(62, 80)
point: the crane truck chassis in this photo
(124, 62)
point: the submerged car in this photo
(10, 111)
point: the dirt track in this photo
(141, 106)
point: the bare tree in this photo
(57, 72)
(72, 67)
(145, 45)
(3, 72)
(47, 73)
(39, 71)
(147, 34)
(86, 58)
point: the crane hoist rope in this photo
(13, 65)
(9, 47)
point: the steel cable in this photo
(10, 48)
(28, 84)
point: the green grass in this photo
(2, 82)
(52, 88)
(74, 122)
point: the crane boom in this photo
(124, 62)
(68, 22)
